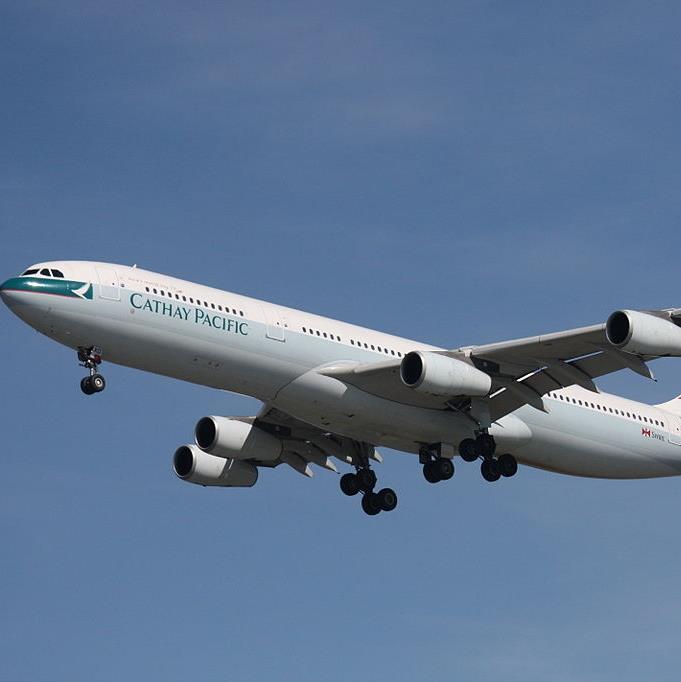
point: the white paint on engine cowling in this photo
(441, 375)
(225, 437)
(193, 465)
(642, 333)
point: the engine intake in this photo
(225, 437)
(196, 466)
(441, 375)
(643, 333)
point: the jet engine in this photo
(196, 466)
(225, 437)
(441, 375)
(643, 333)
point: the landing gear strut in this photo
(91, 358)
(484, 447)
(436, 468)
(364, 481)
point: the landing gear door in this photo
(276, 324)
(109, 286)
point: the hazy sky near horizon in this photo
(450, 172)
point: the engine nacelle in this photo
(642, 333)
(441, 375)
(225, 437)
(196, 466)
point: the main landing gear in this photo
(364, 481)
(484, 447)
(91, 358)
(436, 468)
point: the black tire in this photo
(508, 465)
(490, 470)
(387, 498)
(349, 484)
(445, 468)
(431, 472)
(366, 479)
(467, 450)
(370, 504)
(485, 446)
(86, 386)
(98, 383)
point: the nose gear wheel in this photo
(91, 358)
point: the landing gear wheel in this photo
(445, 468)
(86, 386)
(366, 479)
(370, 504)
(431, 473)
(467, 450)
(97, 383)
(387, 499)
(485, 446)
(507, 465)
(349, 484)
(490, 470)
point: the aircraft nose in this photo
(8, 291)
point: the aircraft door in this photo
(276, 324)
(674, 429)
(109, 286)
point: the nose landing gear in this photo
(91, 358)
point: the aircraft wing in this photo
(304, 444)
(521, 370)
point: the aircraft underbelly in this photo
(596, 446)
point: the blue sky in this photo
(451, 172)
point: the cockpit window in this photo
(57, 273)
(29, 272)
(45, 271)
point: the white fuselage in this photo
(168, 326)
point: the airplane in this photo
(336, 391)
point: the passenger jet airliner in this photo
(333, 390)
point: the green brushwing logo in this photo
(57, 287)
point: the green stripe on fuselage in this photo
(44, 285)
